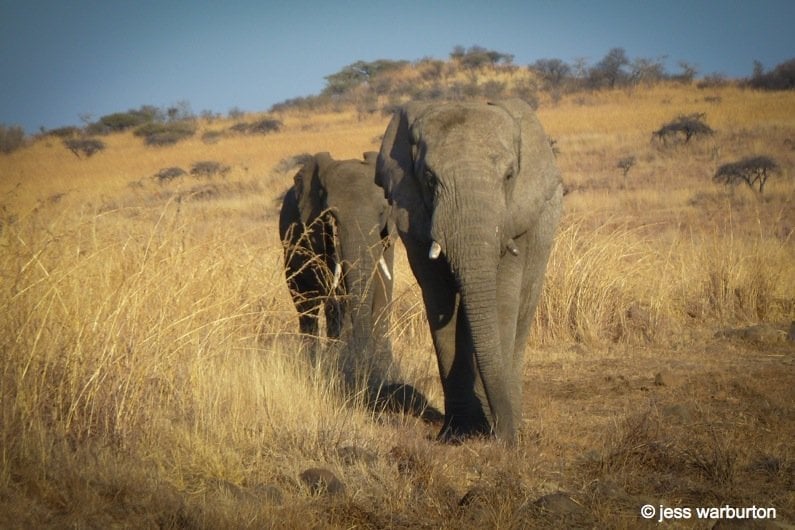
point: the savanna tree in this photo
(11, 138)
(625, 164)
(689, 125)
(753, 170)
(87, 146)
(610, 72)
(782, 77)
(554, 72)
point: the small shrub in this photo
(689, 126)
(161, 134)
(713, 81)
(493, 89)
(97, 128)
(86, 146)
(211, 137)
(64, 132)
(752, 170)
(782, 77)
(265, 126)
(121, 121)
(625, 164)
(241, 128)
(208, 168)
(11, 138)
(169, 173)
(235, 113)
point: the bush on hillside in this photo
(87, 146)
(753, 170)
(477, 57)
(358, 73)
(12, 137)
(264, 126)
(163, 134)
(782, 77)
(687, 126)
(122, 121)
(211, 137)
(208, 168)
(169, 173)
(64, 132)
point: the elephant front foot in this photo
(458, 428)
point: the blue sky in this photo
(60, 59)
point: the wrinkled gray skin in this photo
(334, 214)
(476, 198)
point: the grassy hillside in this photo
(152, 374)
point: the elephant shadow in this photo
(406, 399)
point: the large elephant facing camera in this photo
(476, 197)
(335, 228)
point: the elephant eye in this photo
(509, 174)
(430, 179)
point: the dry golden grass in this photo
(152, 374)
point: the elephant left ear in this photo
(324, 163)
(537, 178)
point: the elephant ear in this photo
(305, 185)
(324, 164)
(538, 178)
(395, 171)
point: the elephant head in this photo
(476, 198)
(342, 223)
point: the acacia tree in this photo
(688, 125)
(782, 77)
(554, 72)
(752, 170)
(610, 71)
(478, 56)
(11, 138)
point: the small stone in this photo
(320, 481)
(269, 492)
(476, 495)
(350, 454)
(667, 378)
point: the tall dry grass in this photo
(151, 370)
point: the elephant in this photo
(335, 228)
(476, 198)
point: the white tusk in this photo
(512, 248)
(384, 268)
(337, 274)
(436, 249)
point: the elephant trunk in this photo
(472, 245)
(362, 360)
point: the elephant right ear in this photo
(324, 162)
(305, 185)
(395, 171)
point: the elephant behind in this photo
(335, 230)
(476, 197)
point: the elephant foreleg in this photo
(514, 319)
(464, 399)
(333, 312)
